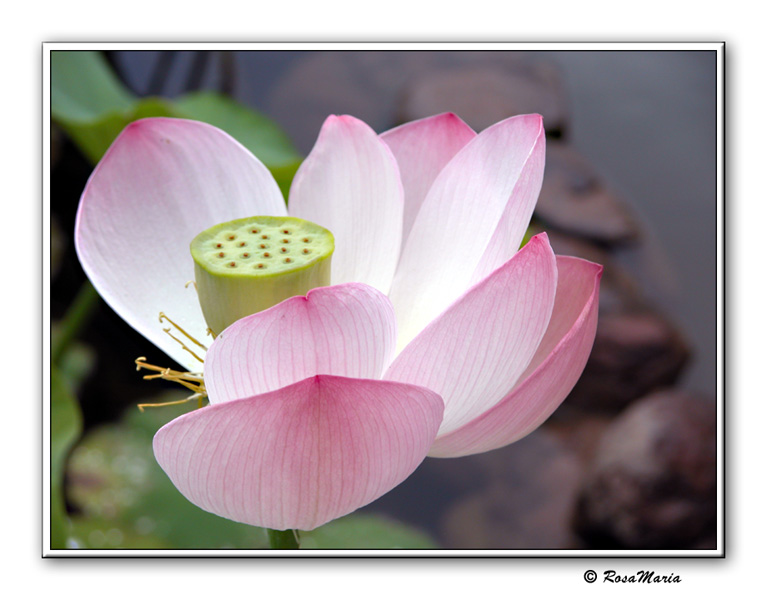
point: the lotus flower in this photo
(439, 335)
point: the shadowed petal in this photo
(350, 184)
(346, 329)
(551, 374)
(161, 183)
(459, 216)
(300, 456)
(422, 148)
(475, 351)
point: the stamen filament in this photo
(183, 345)
(167, 377)
(182, 401)
(191, 381)
(164, 316)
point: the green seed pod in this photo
(247, 265)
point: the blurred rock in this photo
(574, 199)
(652, 484)
(618, 291)
(634, 353)
(485, 94)
(636, 349)
(387, 88)
(579, 432)
(527, 502)
(318, 84)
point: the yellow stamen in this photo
(182, 401)
(164, 316)
(183, 346)
(191, 381)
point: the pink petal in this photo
(422, 148)
(350, 184)
(300, 456)
(511, 228)
(347, 329)
(551, 374)
(161, 183)
(475, 351)
(459, 217)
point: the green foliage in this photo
(71, 363)
(76, 364)
(125, 498)
(93, 107)
(127, 501)
(91, 104)
(66, 426)
(253, 130)
(365, 531)
(95, 136)
(83, 87)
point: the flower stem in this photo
(283, 540)
(76, 317)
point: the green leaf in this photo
(76, 365)
(93, 107)
(105, 534)
(65, 332)
(127, 501)
(88, 100)
(95, 136)
(84, 88)
(66, 427)
(256, 132)
(364, 531)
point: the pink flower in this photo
(438, 336)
